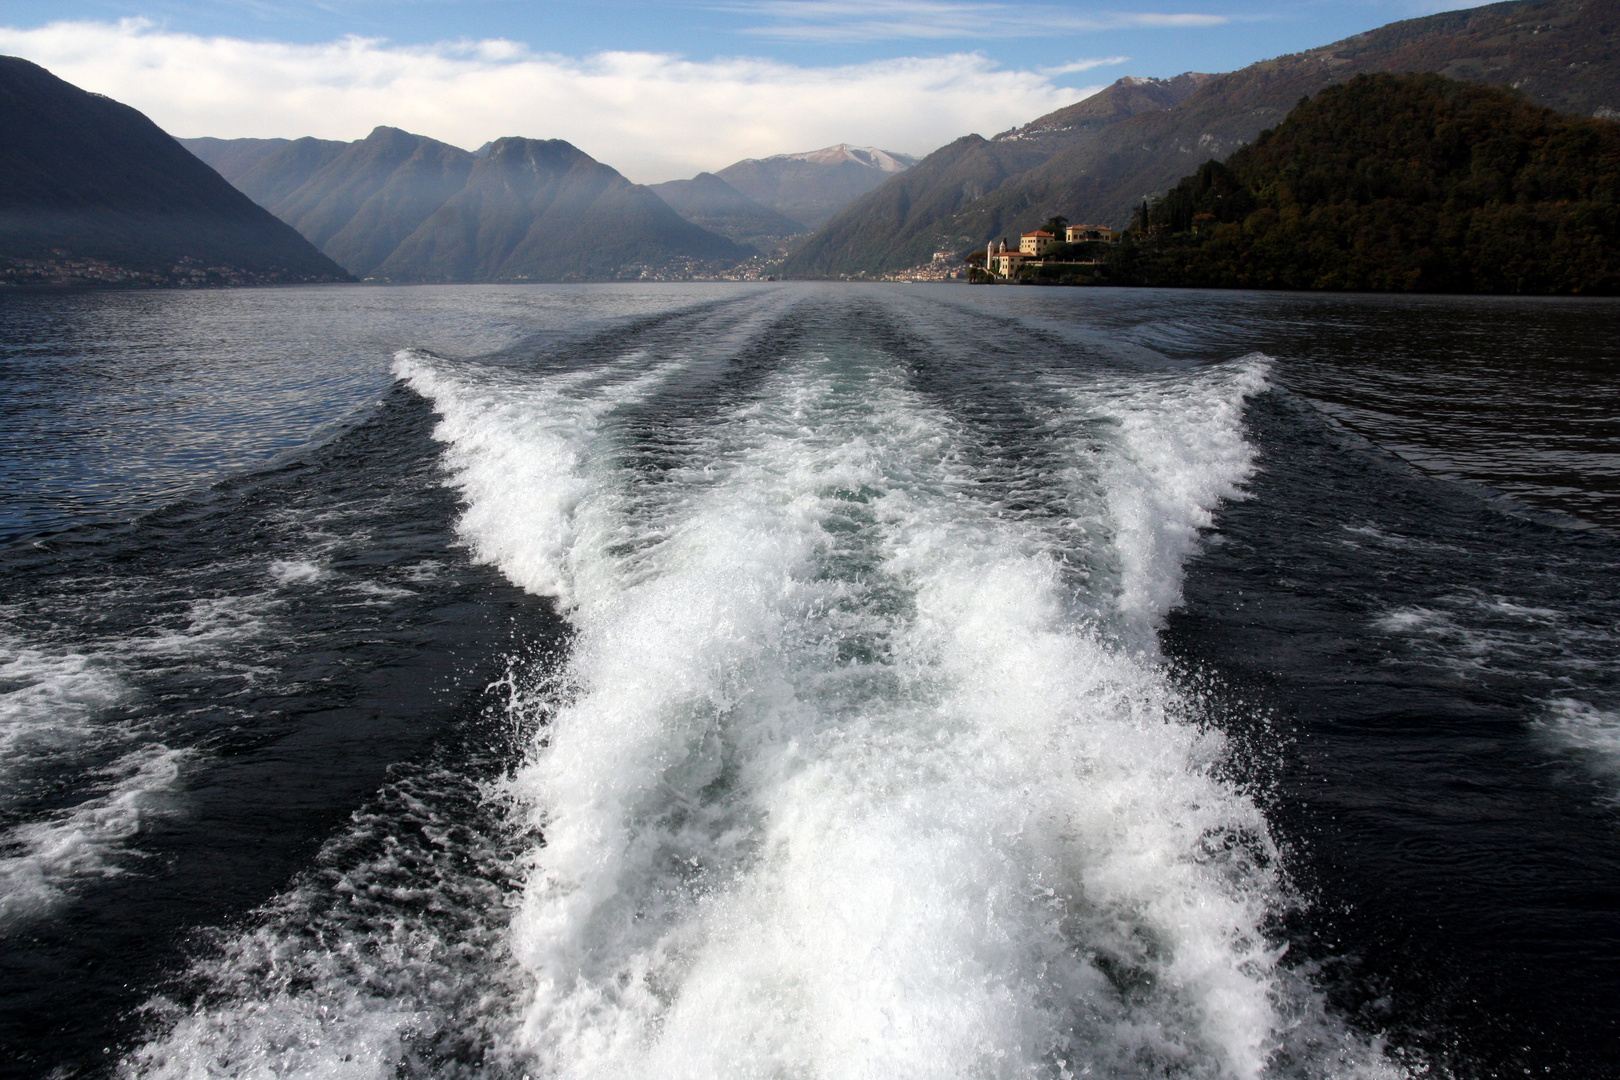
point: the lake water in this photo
(801, 680)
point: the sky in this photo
(659, 89)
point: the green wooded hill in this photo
(1396, 183)
(93, 191)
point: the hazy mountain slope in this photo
(232, 157)
(271, 179)
(84, 174)
(710, 202)
(414, 190)
(373, 194)
(357, 200)
(542, 210)
(902, 222)
(811, 187)
(903, 215)
(1561, 53)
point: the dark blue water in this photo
(712, 680)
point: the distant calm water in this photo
(653, 681)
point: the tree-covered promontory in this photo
(1396, 183)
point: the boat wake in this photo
(862, 759)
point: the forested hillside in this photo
(544, 210)
(710, 203)
(1396, 183)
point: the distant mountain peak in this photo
(708, 201)
(870, 156)
(810, 187)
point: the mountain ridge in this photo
(811, 186)
(93, 190)
(1103, 175)
(544, 210)
(906, 210)
(365, 202)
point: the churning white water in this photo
(852, 777)
(854, 768)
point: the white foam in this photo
(49, 702)
(46, 861)
(1586, 730)
(1469, 633)
(295, 571)
(1177, 452)
(518, 451)
(282, 1037)
(390, 952)
(59, 711)
(382, 595)
(843, 776)
(845, 783)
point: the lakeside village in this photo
(62, 269)
(1055, 250)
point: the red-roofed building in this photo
(1035, 243)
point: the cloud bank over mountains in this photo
(653, 116)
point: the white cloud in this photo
(1084, 65)
(887, 20)
(652, 116)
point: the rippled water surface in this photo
(801, 680)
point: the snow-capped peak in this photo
(869, 156)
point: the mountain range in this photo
(88, 181)
(1097, 160)
(334, 193)
(93, 191)
(401, 207)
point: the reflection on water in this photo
(112, 403)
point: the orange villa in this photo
(1033, 247)
(1035, 243)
